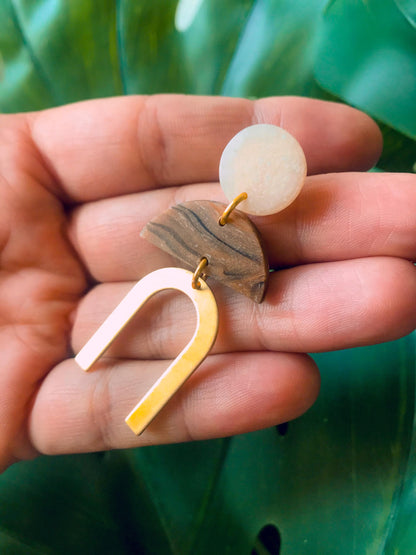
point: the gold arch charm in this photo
(184, 364)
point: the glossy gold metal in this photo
(184, 364)
(226, 214)
(199, 273)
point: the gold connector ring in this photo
(225, 215)
(199, 273)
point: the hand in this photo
(77, 185)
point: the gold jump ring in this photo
(199, 273)
(225, 215)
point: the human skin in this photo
(77, 185)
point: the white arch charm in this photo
(184, 364)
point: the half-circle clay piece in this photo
(190, 231)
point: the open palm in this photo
(78, 183)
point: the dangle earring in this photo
(262, 170)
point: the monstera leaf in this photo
(339, 480)
(368, 58)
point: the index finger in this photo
(108, 147)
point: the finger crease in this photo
(100, 409)
(153, 150)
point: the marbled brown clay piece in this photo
(191, 231)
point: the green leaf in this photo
(21, 78)
(399, 152)
(276, 51)
(368, 58)
(66, 51)
(147, 37)
(408, 9)
(80, 504)
(208, 47)
(340, 480)
(335, 481)
(250, 48)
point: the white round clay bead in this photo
(267, 163)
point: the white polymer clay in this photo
(267, 163)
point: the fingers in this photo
(108, 147)
(318, 307)
(229, 394)
(337, 216)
